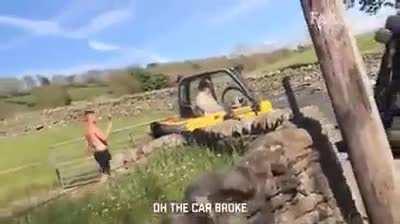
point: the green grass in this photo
(87, 93)
(365, 42)
(34, 148)
(24, 100)
(129, 199)
(307, 56)
(77, 93)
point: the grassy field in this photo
(366, 44)
(129, 199)
(34, 149)
(77, 93)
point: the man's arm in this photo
(109, 127)
(89, 150)
(104, 136)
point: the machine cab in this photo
(225, 86)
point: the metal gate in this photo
(73, 167)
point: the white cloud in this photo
(241, 7)
(52, 27)
(126, 57)
(103, 21)
(38, 27)
(101, 46)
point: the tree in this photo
(43, 80)
(152, 65)
(370, 6)
(29, 81)
(356, 111)
(149, 81)
(59, 80)
(122, 83)
(70, 79)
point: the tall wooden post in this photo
(355, 108)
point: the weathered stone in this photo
(39, 127)
(303, 163)
(168, 141)
(279, 200)
(257, 164)
(189, 219)
(305, 204)
(286, 187)
(205, 187)
(270, 188)
(309, 217)
(287, 183)
(238, 180)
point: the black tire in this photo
(393, 24)
(158, 130)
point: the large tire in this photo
(393, 24)
(158, 129)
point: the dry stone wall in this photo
(280, 179)
(290, 176)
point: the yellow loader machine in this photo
(228, 90)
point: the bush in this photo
(51, 96)
(149, 81)
(123, 83)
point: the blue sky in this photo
(62, 37)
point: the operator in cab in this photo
(205, 99)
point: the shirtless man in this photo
(97, 144)
(205, 99)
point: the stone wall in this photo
(291, 175)
(125, 106)
(280, 179)
(270, 83)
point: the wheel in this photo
(393, 24)
(158, 129)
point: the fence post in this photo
(355, 108)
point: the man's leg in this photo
(97, 157)
(107, 166)
(101, 159)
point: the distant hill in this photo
(258, 61)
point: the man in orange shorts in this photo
(97, 142)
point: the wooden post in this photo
(355, 108)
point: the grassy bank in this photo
(129, 199)
(365, 42)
